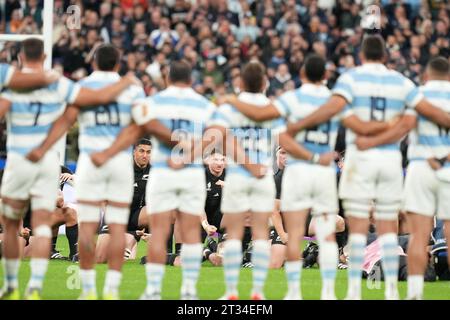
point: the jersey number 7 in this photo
(36, 106)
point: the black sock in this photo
(207, 254)
(341, 239)
(178, 248)
(170, 258)
(212, 245)
(54, 240)
(72, 238)
(170, 241)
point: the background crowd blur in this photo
(218, 36)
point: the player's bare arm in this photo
(160, 131)
(89, 97)
(278, 222)
(21, 80)
(329, 109)
(435, 114)
(392, 135)
(4, 107)
(209, 229)
(298, 151)
(435, 163)
(130, 135)
(213, 137)
(219, 136)
(438, 163)
(237, 152)
(364, 128)
(59, 128)
(254, 112)
(126, 138)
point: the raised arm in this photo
(364, 128)
(435, 114)
(392, 135)
(254, 112)
(333, 106)
(21, 80)
(61, 125)
(89, 97)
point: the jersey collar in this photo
(105, 75)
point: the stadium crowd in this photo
(217, 38)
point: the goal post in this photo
(47, 38)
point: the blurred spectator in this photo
(159, 36)
(219, 9)
(282, 76)
(179, 11)
(32, 9)
(15, 22)
(211, 71)
(247, 28)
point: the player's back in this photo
(255, 137)
(33, 112)
(430, 140)
(297, 104)
(180, 109)
(375, 93)
(100, 125)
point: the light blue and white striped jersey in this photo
(180, 109)
(297, 104)
(375, 93)
(256, 138)
(32, 113)
(100, 125)
(6, 72)
(428, 139)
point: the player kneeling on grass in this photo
(137, 220)
(62, 215)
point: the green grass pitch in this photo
(61, 281)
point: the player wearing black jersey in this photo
(215, 176)
(137, 220)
